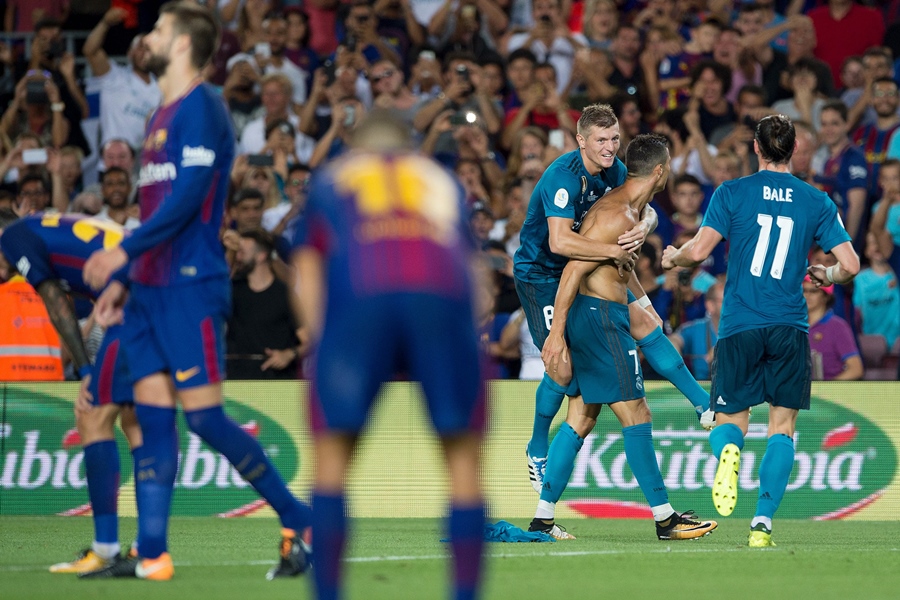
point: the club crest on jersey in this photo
(157, 140)
(561, 198)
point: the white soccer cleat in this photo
(536, 466)
(707, 419)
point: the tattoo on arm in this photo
(62, 315)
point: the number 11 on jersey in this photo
(785, 230)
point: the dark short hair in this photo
(722, 73)
(113, 171)
(522, 53)
(7, 217)
(30, 177)
(776, 135)
(199, 24)
(247, 194)
(47, 23)
(837, 106)
(452, 56)
(686, 178)
(262, 238)
(752, 88)
(644, 153)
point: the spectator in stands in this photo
(22, 15)
(691, 152)
(276, 100)
(240, 92)
(13, 167)
(542, 107)
(127, 94)
(737, 136)
(279, 219)
(296, 46)
(251, 15)
(696, 340)
(34, 194)
(687, 197)
(549, 39)
(631, 122)
(37, 108)
(481, 218)
(398, 27)
(86, 202)
(681, 297)
(70, 159)
(425, 76)
(873, 138)
(589, 83)
(115, 184)
(515, 341)
(834, 352)
(840, 168)
(876, 294)
(844, 28)
(272, 59)
(390, 92)
(852, 81)
(628, 74)
(520, 75)
(709, 82)
(674, 73)
(745, 69)
(118, 153)
(661, 41)
(878, 63)
(807, 144)
(346, 113)
(600, 21)
(464, 93)
(48, 54)
(263, 340)
(529, 143)
(808, 94)
(886, 212)
(361, 26)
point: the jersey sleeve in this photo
(854, 172)
(311, 229)
(718, 215)
(830, 230)
(198, 147)
(28, 253)
(558, 194)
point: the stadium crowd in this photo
(492, 89)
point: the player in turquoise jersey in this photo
(771, 219)
(549, 238)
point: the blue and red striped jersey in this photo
(388, 224)
(55, 246)
(183, 188)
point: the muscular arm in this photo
(308, 290)
(856, 206)
(694, 251)
(62, 315)
(565, 242)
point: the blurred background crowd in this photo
(492, 89)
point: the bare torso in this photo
(610, 217)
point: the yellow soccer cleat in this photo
(87, 560)
(760, 537)
(725, 485)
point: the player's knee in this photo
(582, 424)
(205, 422)
(97, 424)
(642, 322)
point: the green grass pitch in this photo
(397, 559)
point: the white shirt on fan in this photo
(126, 102)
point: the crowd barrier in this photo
(845, 465)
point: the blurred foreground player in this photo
(383, 265)
(48, 249)
(179, 298)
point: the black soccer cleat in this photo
(295, 556)
(683, 527)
